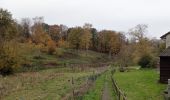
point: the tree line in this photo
(124, 50)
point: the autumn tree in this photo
(54, 32)
(39, 35)
(8, 46)
(7, 25)
(85, 39)
(124, 57)
(142, 45)
(64, 32)
(74, 37)
(109, 42)
(63, 43)
(94, 39)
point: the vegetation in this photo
(96, 92)
(140, 84)
(45, 84)
(45, 58)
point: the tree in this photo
(55, 31)
(138, 32)
(87, 26)
(7, 25)
(26, 26)
(94, 39)
(142, 45)
(8, 45)
(63, 44)
(86, 37)
(74, 37)
(109, 42)
(39, 35)
(123, 58)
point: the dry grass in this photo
(46, 84)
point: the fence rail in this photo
(120, 94)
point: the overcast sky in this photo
(118, 15)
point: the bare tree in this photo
(26, 26)
(138, 32)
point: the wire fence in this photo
(77, 93)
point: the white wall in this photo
(168, 41)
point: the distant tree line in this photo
(124, 50)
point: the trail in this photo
(106, 94)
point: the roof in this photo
(165, 53)
(164, 36)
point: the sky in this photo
(118, 15)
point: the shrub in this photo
(146, 61)
(44, 49)
(59, 52)
(51, 47)
(9, 60)
(122, 69)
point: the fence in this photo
(120, 95)
(77, 93)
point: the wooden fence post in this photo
(72, 82)
(168, 89)
(119, 95)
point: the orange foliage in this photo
(51, 46)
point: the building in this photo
(165, 60)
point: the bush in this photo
(9, 60)
(146, 61)
(122, 69)
(59, 52)
(51, 47)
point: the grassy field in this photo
(51, 84)
(49, 77)
(140, 84)
(44, 76)
(34, 60)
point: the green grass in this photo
(140, 84)
(96, 92)
(50, 84)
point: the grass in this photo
(96, 92)
(50, 84)
(140, 84)
(29, 54)
(43, 77)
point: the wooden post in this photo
(168, 89)
(72, 81)
(119, 96)
(93, 75)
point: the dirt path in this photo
(106, 93)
